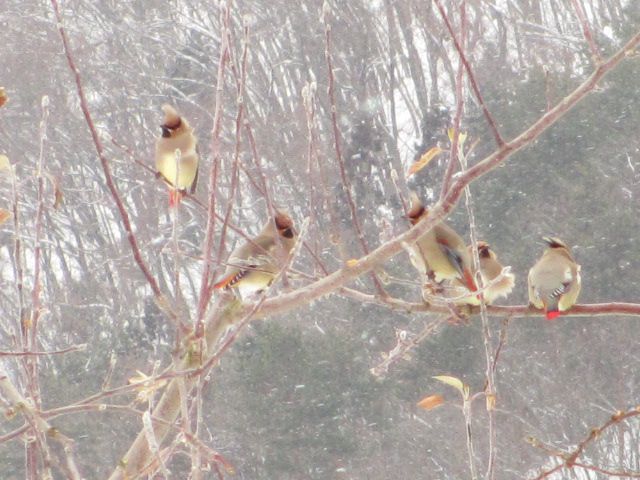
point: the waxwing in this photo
(253, 266)
(440, 250)
(554, 281)
(490, 269)
(179, 171)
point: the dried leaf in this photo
(3, 97)
(430, 402)
(4, 215)
(462, 137)
(491, 402)
(452, 382)
(58, 195)
(424, 160)
(352, 263)
(5, 164)
(226, 464)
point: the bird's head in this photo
(172, 121)
(554, 242)
(417, 211)
(484, 249)
(284, 224)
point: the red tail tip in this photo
(468, 279)
(224, 283)
(552, 315)
(175, 196)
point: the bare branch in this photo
(586, 30)
(472, 79)
(346, 183)
(73, 348)
(205, 291)
(137, 255)
(570, 459)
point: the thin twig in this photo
(404, 344)
(346, 183)
(570, 459)
(216, 146)
(238, 143)
(73, 348)
(84, 105)
(586, 31)
(472, 79)
(459, 87)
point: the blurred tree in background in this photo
(294, 397)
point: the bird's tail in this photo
(175, 197)
(469, 280)
(230, 280)
(551, 309)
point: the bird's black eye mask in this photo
(287, 233)
(168, 129)
(414, 216)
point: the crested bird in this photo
(490, 269)
(554, 281)
(441, 251)
(178, 170)
(253, 265)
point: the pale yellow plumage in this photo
(490, 269)
(554, 281)
(253, 266)
(440, 251)
(177, 134)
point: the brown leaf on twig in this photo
(58, 195)
(424, 160)
(3, 96)
(491, 402)
(4, 215)
(430, 402)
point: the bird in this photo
(253, 265)
(490, 268)
(554, 281)
(178, 170)
(440, 252)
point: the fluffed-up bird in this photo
(440, 251)
(554, 281)
(490, 269)
(178, 170)
(253, 266)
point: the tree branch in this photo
(570, 459)
(84, 105)
(472, 78)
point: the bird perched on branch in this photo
(440, 252)
(554, 281)
(179, 169)
(253, 266)
(490, 270)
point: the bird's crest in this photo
(554, 242)
(172, 120)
